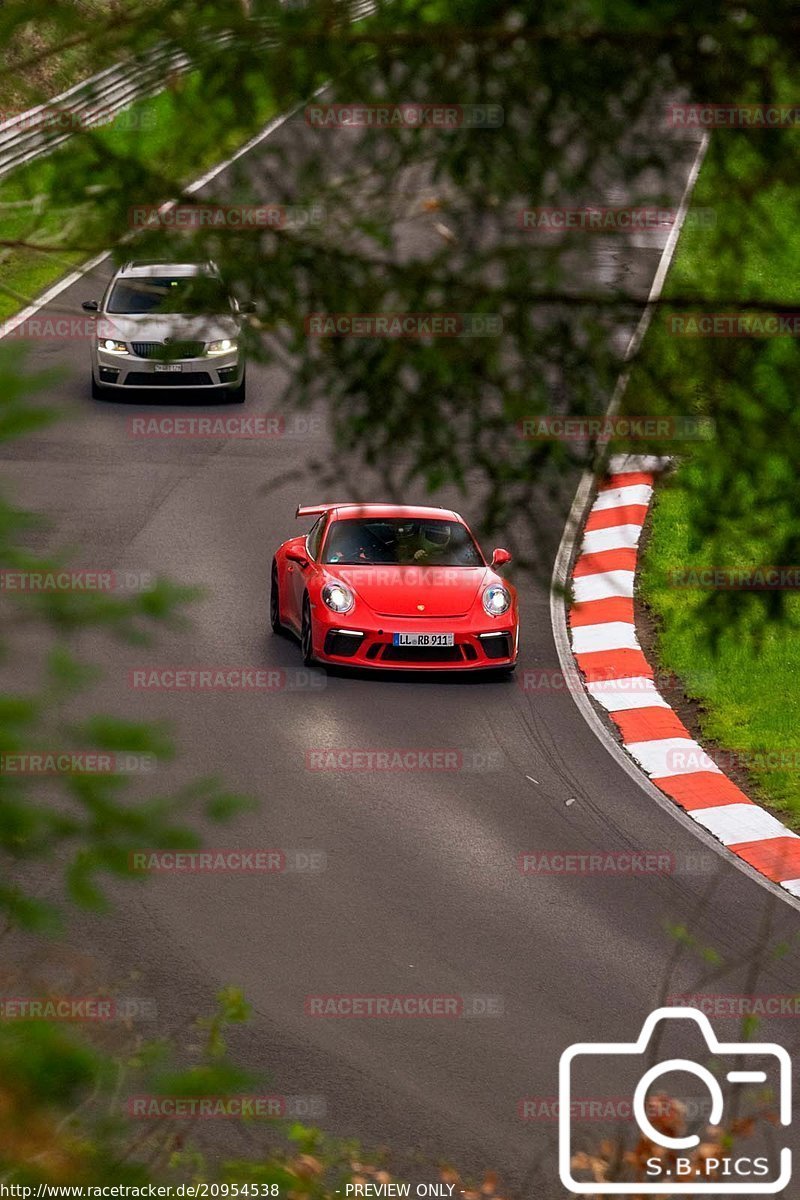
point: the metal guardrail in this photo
(94, 101)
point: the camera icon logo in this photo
(672, 1169)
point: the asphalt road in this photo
(421, 893)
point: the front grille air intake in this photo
(168, 352)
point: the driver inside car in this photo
(433, 542)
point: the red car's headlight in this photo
(338, 597)
(496, 600)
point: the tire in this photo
(306, 635)
(274, 602)
(238, 395)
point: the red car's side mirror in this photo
(297, 556)
(500, 557)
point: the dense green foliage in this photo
(583, 89)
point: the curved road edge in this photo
(621, 681)
(748, 857)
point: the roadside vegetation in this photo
(737, 651)
(571, 82)
(41, 240)
(52, 51)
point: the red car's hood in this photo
(416, 591)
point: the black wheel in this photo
(274, 605)
(306, 638)
(98, 392)
(239, 394)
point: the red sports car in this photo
(395, 586)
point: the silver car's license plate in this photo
(423, 639)
(168, 367)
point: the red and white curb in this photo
(618, 676)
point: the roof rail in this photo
(158, 262)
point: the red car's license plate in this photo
(422, 639)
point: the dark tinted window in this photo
(401, 541)
(194, 294)
(314, 536)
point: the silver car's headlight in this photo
(338, 597)
(114, 347)
(496, 600)
(223, 346)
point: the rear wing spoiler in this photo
(314, 510)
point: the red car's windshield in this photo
(400, 541)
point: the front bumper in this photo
(343, 641)
(127, 370)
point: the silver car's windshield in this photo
(192, 294)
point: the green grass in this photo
(55, 59)
(46, 204)
(755, 248)
(736, 653)
(747, 687)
